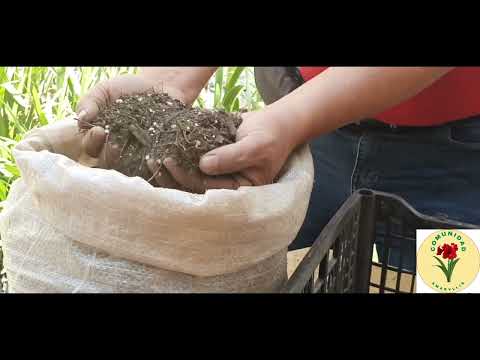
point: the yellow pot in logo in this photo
(448, 261)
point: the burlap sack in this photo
(67, 227)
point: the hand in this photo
(96, 153)
(195, 181)
(262, 148)
(105, 93)
(106, 157)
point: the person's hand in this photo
(99, 154)
(194, 180)
(262, 148)
(106, 92)
(95, 150)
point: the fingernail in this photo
(209, 162)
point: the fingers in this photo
(108, 91)
(230, 158)
(162, 178)
(105, 92)
(257, 176)
(96, 145)
(242, 180)
(93, 141)
(109, 157)
(197, 182)
(90, 104)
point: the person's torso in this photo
(454, 96)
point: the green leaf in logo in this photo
(442, 267)
(451, 267)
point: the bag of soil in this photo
(67, 227)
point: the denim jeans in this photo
(436, 170)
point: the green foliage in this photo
(231, 89)
(36, 96)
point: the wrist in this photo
(183, 83)
(287, 124)
(172, 88)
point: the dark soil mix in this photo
(156, 126)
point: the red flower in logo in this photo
(453, 253)
(448, 252)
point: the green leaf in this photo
(28, 78)
(231, 96)
(4, 174)
(3, 191)
(442, 266)
(444, 271)
(4, 127)
(200, 102)
(234, 77)
(74, 82)
(45, 84)
(60, 77)
(11, 70)
(3, 74)
(16, 94)
(5, 142)
(85, 78)
(13, 170)
(452, 266)
(236, 105)
(449, 273)
(218, 87)
(12, 117)
(23, 77)
(42, 119)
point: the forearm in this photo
(190, 79)
(343, 95)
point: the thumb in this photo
(229, 158)
(94, 141)
(90, 104)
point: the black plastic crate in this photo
(340, 260)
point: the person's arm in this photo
(190, 80)
(343, 95)
(335, 98)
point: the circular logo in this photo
(448, 261)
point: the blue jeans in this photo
(436, 170)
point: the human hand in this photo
(106, 92)
(103, 154)
(262, 148)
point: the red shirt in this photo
(454, 96)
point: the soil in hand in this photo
(156, 126)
